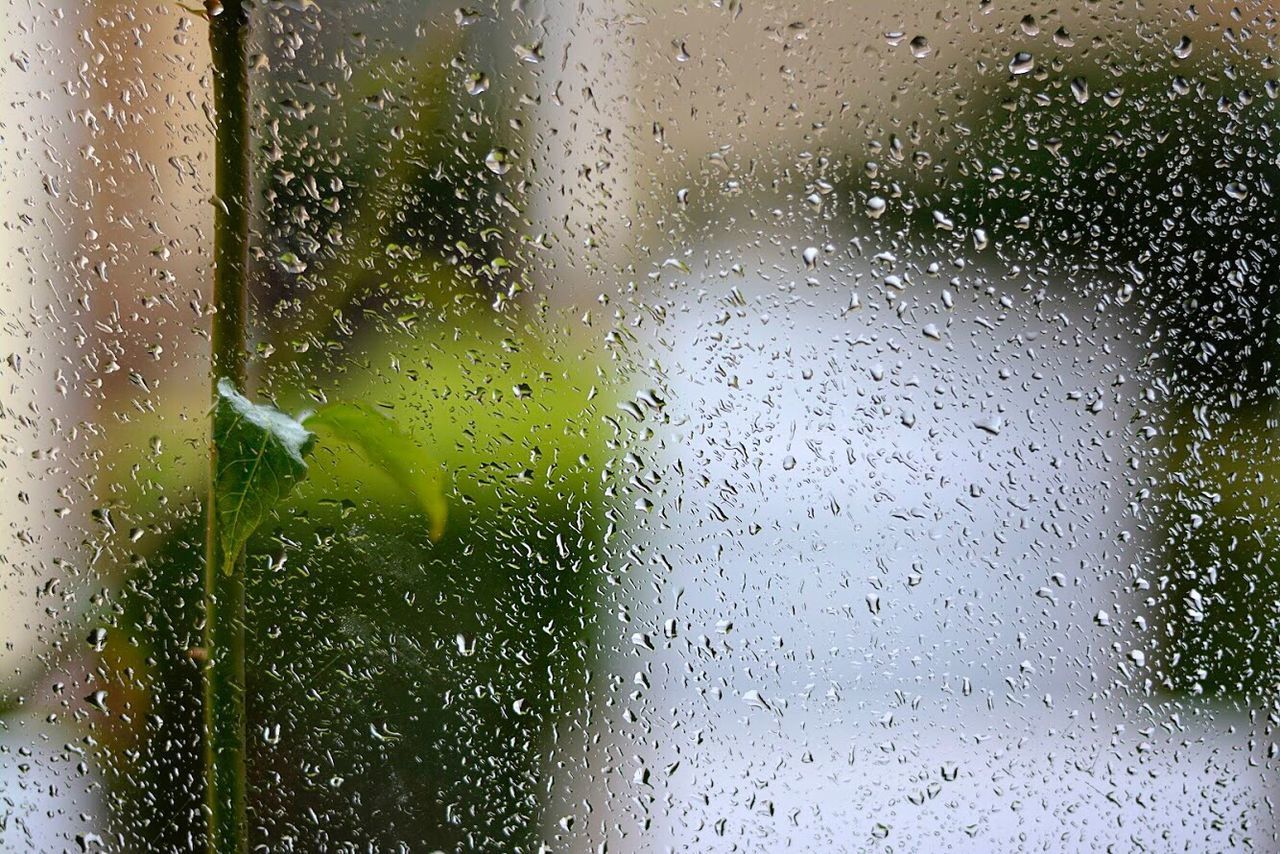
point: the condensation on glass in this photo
(857, 421)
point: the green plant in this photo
(257, 453)
(224, 631)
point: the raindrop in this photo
(529, 53)
(992, 424)
(291, 263)
(499, 161)
(1080, 90)
(466, 645)
(1021, 63)
(97, 699)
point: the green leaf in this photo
(386, 446)
(260, 460)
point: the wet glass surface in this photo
(740, 426)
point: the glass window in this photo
(708, 426)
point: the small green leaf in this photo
(389, 448)
(260, 459)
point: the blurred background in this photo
(859, 426)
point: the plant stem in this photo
(224, 629)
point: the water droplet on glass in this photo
(499, 161)
(991, 424)
(477, 83)
(97, 699)
(529, 53)
(291, 263)
(466, 645)
(1080, 89)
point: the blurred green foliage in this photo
(420, 673)
(401, 689)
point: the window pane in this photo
(714, 426)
